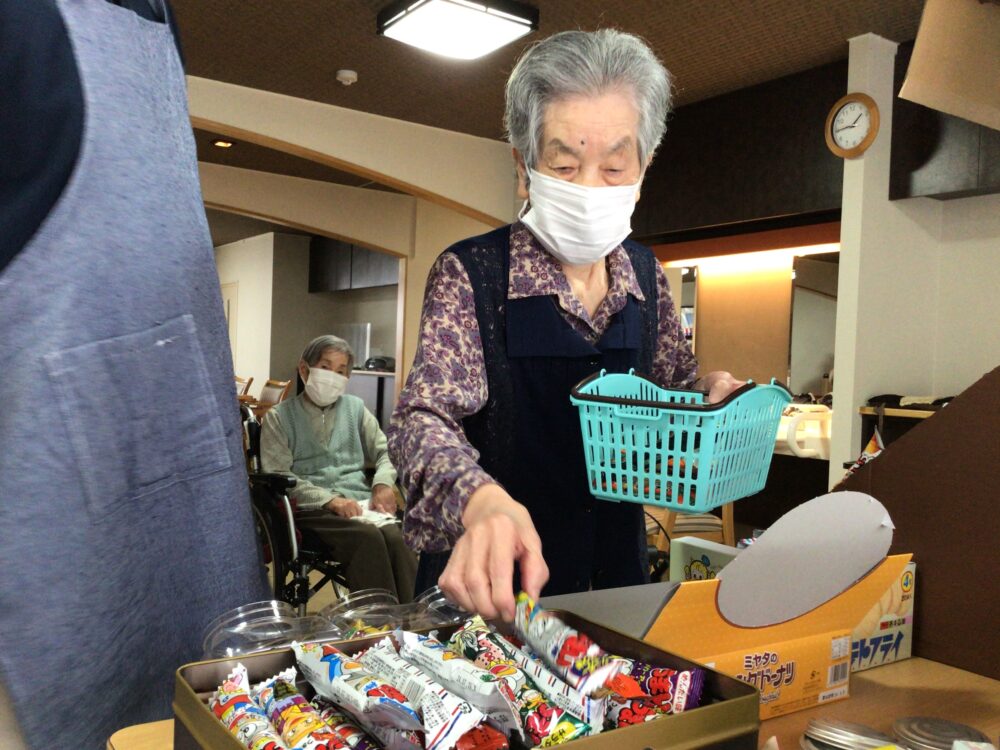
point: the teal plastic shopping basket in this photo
(645, 444)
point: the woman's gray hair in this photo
(315, 348)
(586, 63)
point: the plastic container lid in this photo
(262, 626)
(440, 611)
(929, 733)
(845, 735)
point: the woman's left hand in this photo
(383, 499)
(719, 384)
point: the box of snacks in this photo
(550, 678)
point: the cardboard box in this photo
(727, 718)
(695, 559)
(885, 634)
(780, 616)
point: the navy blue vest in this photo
(528, 434)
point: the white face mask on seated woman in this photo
(578, 224)
(325, 386)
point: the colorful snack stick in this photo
(478, 686)
(557, 692)
(234, 707)
(625, 711)
(544, 724)
(571, 654)
(446, 717)
(297, 721)
(386, 738)
(353, 735)
(672, 690)
(345, 681)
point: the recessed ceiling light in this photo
(222, 144)
(457, 28)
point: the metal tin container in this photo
(929, 733)
(843, 735)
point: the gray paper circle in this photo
(811, 554)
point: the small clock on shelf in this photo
(852, 125)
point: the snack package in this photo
(346, 682)
(445, 716)
(623, 711)
(297, 721)
(545, 725)
(353, 736)
(474, 684)
(672, 690)
(386, 738)
(483, 737)
(557, 692)
(233, 706)
(571, 654)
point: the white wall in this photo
(917, 305)
(967, 335)
(376, 305)
(249, 263)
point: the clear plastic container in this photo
(365, 612)
(441, 611)
(262, 627)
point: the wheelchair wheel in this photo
(276, 554)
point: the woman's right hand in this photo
(499, 532)
(344, 507)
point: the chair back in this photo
(274, 391)
(243, 385)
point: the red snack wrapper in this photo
(672, 690)
(352, 735)
(544, 724)
(569, 653)
(483, 737)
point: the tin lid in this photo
(929, 733)
(845, 734)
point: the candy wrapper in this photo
(353, 736)
(481, 688)
(571, 654)
(234, 707)
(672, 690)
(297, 721)
(345, 681)
(625, 711)
(386, 738)
(557, 692)
(544, 724)
(446, 717)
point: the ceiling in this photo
(295, 47)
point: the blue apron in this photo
(125, 522)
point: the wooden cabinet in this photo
(747, 156)
(935, 154)
(337, 266)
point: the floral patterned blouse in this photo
(438, 466)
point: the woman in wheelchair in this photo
(325, 439)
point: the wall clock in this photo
(852, 125)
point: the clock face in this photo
(851, 124)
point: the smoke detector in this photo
(347, 77)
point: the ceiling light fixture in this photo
(457, 28)
(222, 144)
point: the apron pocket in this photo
(140, 412)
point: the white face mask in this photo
(324, 386)
(578, 224)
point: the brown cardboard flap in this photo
(954, 63)
(940, 483)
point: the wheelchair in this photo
(292, 553)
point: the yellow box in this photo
(795, 664)
(885, 634)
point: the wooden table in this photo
(914, 687)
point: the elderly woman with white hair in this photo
(326, 438)
(487, 442)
